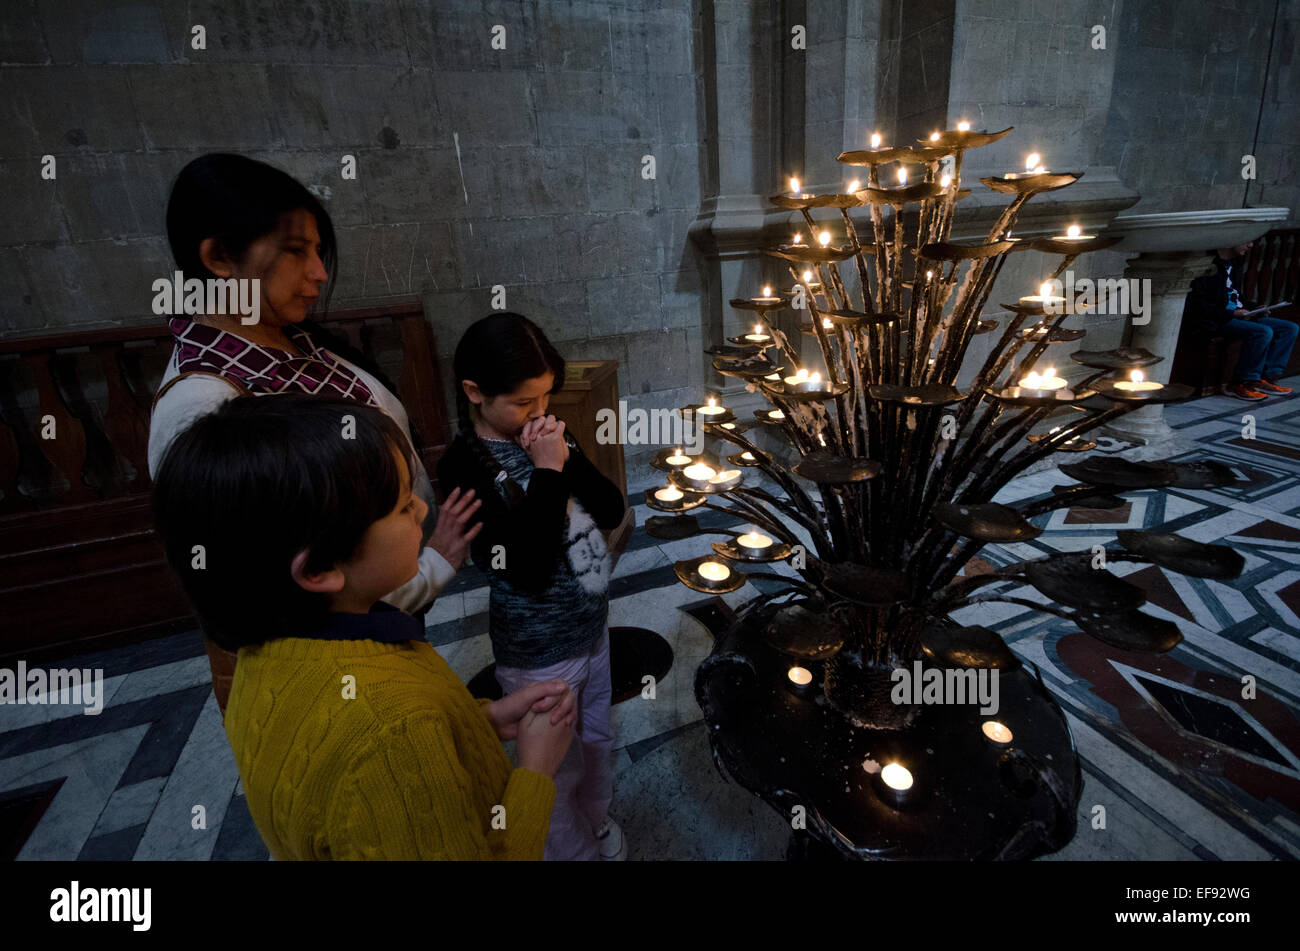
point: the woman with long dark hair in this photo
(230, 217)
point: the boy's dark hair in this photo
(499, 352)
(259, 480)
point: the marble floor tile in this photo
(165, 678)
(17, 716)
(204, 775)
(130, 805)
(92, 768)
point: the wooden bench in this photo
(1271, 274)
(81, 568)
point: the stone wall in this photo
(476, 166)
(522, 166)
(1189, 83)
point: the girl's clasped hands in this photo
(543, 440)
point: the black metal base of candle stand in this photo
(972, 797)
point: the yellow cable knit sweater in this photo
(409, 769)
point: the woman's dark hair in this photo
(238, 200)
(259, 480)
(499, 352)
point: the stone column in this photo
(1166, 277)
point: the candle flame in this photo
(821, 439)
(1073, 231)
(826, 323)
(929, 274)
(798, 237)
(1031, 160)
(963, 126)
(758, 328)
(1049, 373)
(712, 401)
(854, 185)
(875, 140)
(801, 375)
(807, 277)
(824, 238)
(902, 176)
(767, 291)
(794, 185)
(945, 181)
(1136, 376)
(815, 378)
(934, 136)
(1045, 289)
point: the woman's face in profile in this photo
(288, 262)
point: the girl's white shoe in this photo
(609, 837)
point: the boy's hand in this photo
(542, 744)
(537, 698)
(450, 538)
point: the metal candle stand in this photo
(885, 506)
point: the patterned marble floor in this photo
(1185, 768)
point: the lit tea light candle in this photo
(776, 414)
(1034, 164)
(677, 458)
(1044, 297)
(1136, 383)
(996, 732)
(758, 336)
(726, 475)
(670, 494)
(824, 238)
(826, 323)
(714, 571)
(1074, 233)
(754, 541)
(963, 126)
(747, 456)
(1048, 380)
(712, 409)
(773, 377)
(896, 777)
(800, 676)
(728, 425)
(875, 140)
(800, 377)
(700, 472)
(934, 136)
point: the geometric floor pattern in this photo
(1193, 754)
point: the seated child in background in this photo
(286, 520)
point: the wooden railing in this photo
(1272, 269)
(80, 565)
(1271, 274)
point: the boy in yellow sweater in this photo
(286, 518)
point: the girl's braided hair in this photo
(498, 353)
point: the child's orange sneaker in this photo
(1268, 386)
(1246, 391)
